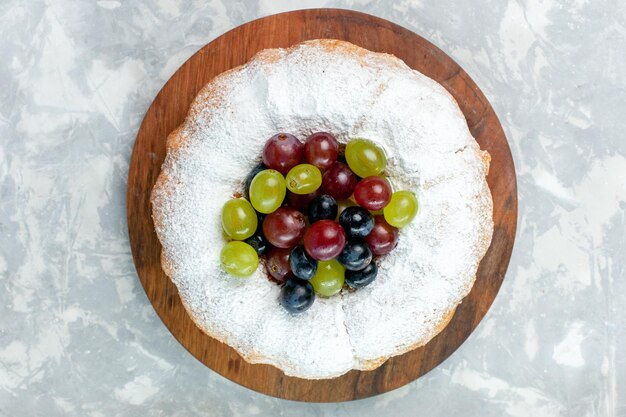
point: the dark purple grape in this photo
(339, 181)
(259, 243)
(297, 295)
(357, 221)
(301, 201)
(302, 265)
(277, 265)
(323, 207)
(356, 255)
(383, 238)
(359, 279)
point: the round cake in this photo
(333, 86)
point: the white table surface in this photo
(77, 333)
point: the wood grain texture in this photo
(235, 48)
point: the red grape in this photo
(277, 265)
(383, 238)
(282, 152)
(284, 228)
(301, 201)
(324, 240)
(373, 193)
(321, 149)
(339, 181)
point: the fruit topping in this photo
(284, 228)
(282, 152)
(357, 221)
(324, 240)
(302, 265)
(323, 207)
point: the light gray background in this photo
(77, 333)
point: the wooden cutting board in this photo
(235, 48)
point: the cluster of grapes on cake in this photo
(318, 222)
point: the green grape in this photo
(401, 209)
(304, 179)
(365, 158)
(267, 191)
(239, 219)
(239, 259)
(329, 278)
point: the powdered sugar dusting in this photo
(337, 87)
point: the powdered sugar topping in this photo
(325, 86)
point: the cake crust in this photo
(300, 90)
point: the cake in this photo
(334, 86)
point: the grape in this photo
(297, 295)
(284, 228)
(383, 238)
(365, 158)
(282, 152)
(324, 240)
(357, 221)
(239, 219)
(277, 265)
(329, 278)
(258, 168)
(259, 243)
(301, 201)
(321, 149)
(342, 205)
(267, 191)
(359, 279)
(338, 181)
(356, 255)
(401, 209)
(239, 259)
(373, 193)
(323, 207)
(302, 265)
(304, 179)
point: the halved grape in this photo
(239, 259)
(267, 191)
(401, 209)
(329, 278)
(304, 179)
(239, 219)
(365, 158)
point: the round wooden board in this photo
(235, 48)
